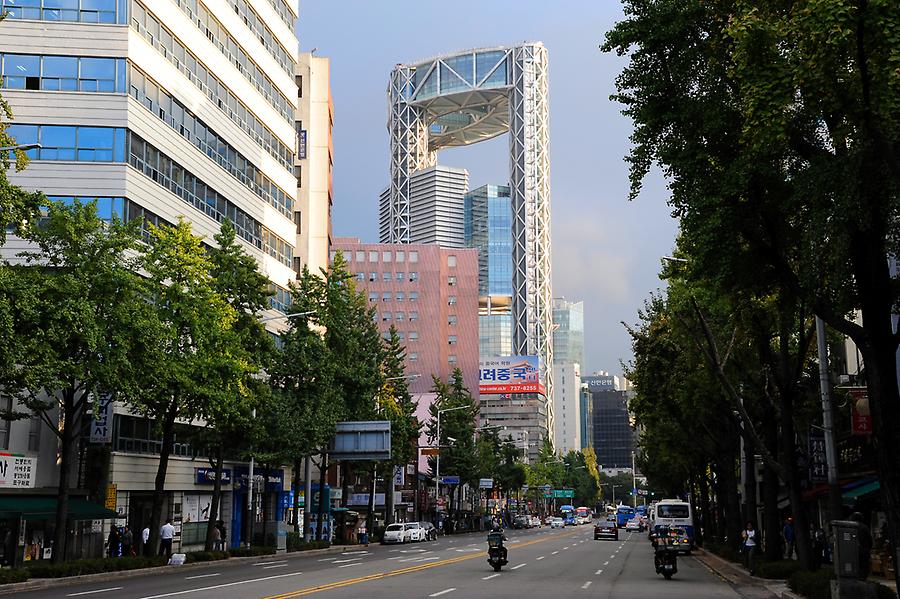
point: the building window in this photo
(386, 256)
(414, 256)
(413, 277)
(331, 256)
(373, 297)
(86, 144)
(84, 11)
(5, 425)
(360, 276)
(360, 256)
(385, 316)
(451, 340)
(451, 359)
(413, 296)
(401, 335)
(386, 335)
(400, 316)
(34, 434)
(400, 256)
(373, 276)
(451, 261)
(451, 300)
(413, 335)
(413, 316)
(401, 276)
(451, 320)
(386, 296)
(413, 357)
(386, 277)
(373, 256)
(400, 296)
(63, 73)
(451, 281)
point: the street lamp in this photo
(613, 490)
(437, 470)
(21, 147)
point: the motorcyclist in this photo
(497, 532)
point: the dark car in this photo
(604, 529)
(520, 522)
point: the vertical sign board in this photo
(399, 476)
(861, 419)
(101, 423)
(818, 462)
(17, 471)
(301, 147)
(510, 374)
(111, 497)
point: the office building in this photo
(158, 111)
(436, 196)
(464, 98)
(567, 397)
(586, 416)
(568, 335)
(613, 436)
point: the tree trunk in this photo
(216, 500)
(731, 501)
(750, 485)
(795, 493)
(771, 486)
(389, 496)
(705, 514)
(323, 467)
(370, 517)
(67, 439)
(159, 486)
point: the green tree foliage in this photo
(18, 208)
(75, 325)
(777, 126)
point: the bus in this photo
(641, 511)
(624, 513)
(674, 512)
(567, 513)
(583, 515)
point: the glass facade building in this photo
(568, 338)
(488, 226)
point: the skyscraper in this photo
(613, 437)
(435, 206)
(568, 335)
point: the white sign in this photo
(17, 471)
(196, 508)
(101, 424)
(399, 476)
(485, 483)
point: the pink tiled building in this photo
(430, 295)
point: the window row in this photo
(281, 7)
(402, 336)
(192, 190)
(87, 144)
(397, 316)
(400, 296)
(227, 45)
(376, 256)
(153, 97)
(121, 208)
(388, 276)
(79, 11)
(265, 36)
(280, 299)
(192, 68)
(62, 73)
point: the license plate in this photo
(668, 567)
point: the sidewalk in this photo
(47, 583)
(737, 576)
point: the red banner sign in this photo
(861, 419)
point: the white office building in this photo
(567, 408)
(436, 207)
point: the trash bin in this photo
(846, 548)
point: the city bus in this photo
(583, 515)
(641, 511)
(567, 513)
(624, 513)
(674, 512)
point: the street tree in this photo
(18, 208)
(76, 327)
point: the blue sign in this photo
(275, 479)
(207, 476)
(450, 480)
(301, 145)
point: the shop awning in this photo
(861, 491)
(44, 508)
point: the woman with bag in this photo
(749, 546)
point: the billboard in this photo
(510, 374)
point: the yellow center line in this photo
(379, 575)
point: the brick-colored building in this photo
(430, 295)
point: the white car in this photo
(413, 531)
(535, 521)
(557, 523)
(394, 533)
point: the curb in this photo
(49, 583)
(725, 570)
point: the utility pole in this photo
(834, 492)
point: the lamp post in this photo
(613, 490)
(21, 147)
(437, 470)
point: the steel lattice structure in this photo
(468, 97)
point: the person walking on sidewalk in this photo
(166, 534)
(749, 537)
(145, 541)
(789, 536)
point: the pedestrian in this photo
(749, 538)
(363, 534)
(223, 534)
(166, 534)
(145, 541)
(864, 535)
(127, 542)
(112, 543)
(789, 536)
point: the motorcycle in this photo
(665, 558)
(496, 550)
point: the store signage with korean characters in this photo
(101, 423)
(207, 476)
(818, 462)
(860, 418)
(17, 471)
(510, 374)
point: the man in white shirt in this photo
(166, 534)
(145, 540)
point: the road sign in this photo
(547, 488)
(486, 483)
(642, 492)
(450, 480)
(559, 493)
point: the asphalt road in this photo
(543, 563)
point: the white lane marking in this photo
(598, 572)
(586, 585)
(221, 586)
(355, 553)
(351, 565)
(92, 592)
(444, 592)
(613, 556)
(281, 561)
(542, 557)
(202, 576)
(491, 576)
(605, 563)
(554, 553)
(331, 559)
(517, 567)
(396, 557)
(344, 561)
(274, 566)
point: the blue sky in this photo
(606, 250)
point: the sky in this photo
(605, 250)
